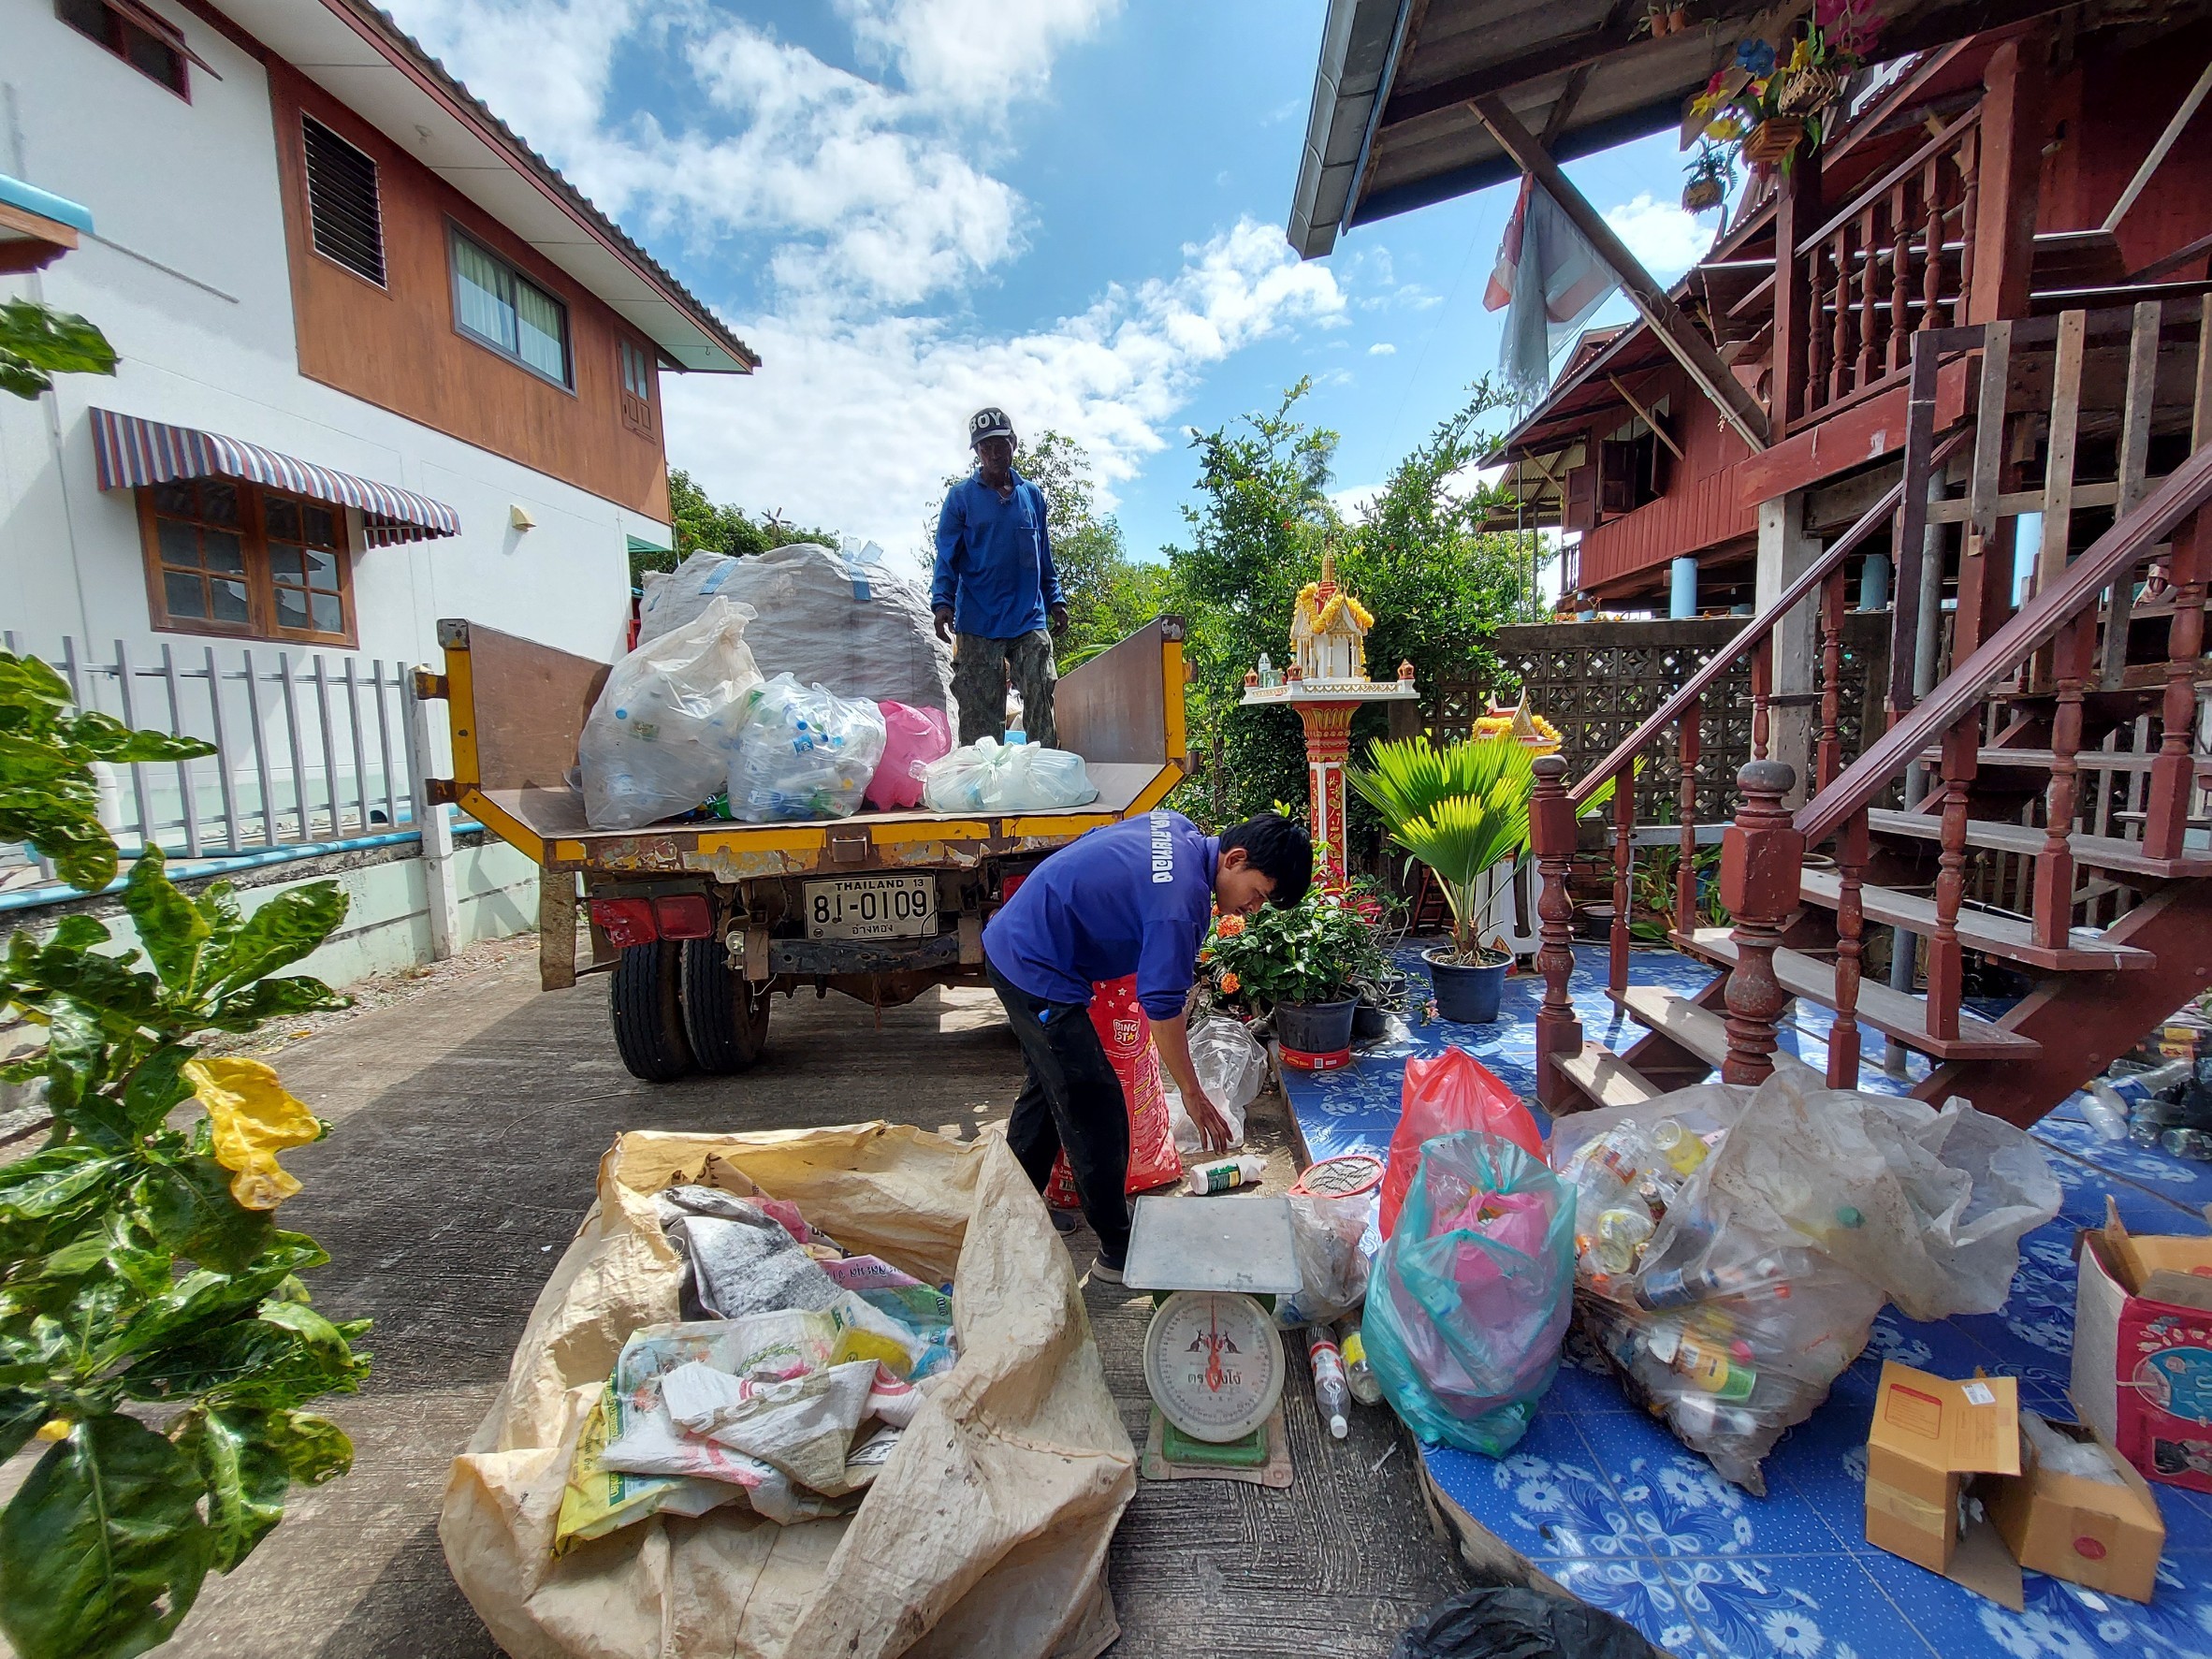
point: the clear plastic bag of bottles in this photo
(803, 753)
(1734, 1246)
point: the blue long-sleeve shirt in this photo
(1132, 897)
(994, 560)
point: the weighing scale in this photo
(1214, 1361)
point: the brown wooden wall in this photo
(1699, 510)
(2101, 121)
(397, 347)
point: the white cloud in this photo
(856, 428)
(1668, 240)
(1382, 349)
(978, 55)
(1354, 503)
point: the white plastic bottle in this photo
(1366, 1386)
(1224, 1174)
(1332, 1393)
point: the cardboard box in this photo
(2143, 1348)
(2184, 1036)
(1931, 1436)
(2093, 1533)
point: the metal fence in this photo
(308, 749)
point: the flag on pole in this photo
(1547, 281)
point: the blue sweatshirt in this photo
(994, 560)
(1133, 897)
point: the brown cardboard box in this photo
(2090, 1532)
(1931, 1435)
(2143, 1348)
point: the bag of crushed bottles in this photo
(1446, 1093)
(1735, 1244)
(803, 753)
(1470, 1294)
(656, 741)
(990, 777)
(1333, 1206)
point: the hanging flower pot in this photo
(1702, 194)
(1809, 91)
(1770, 142)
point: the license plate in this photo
(872, 907)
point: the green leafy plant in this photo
(38, 342)
(1463, 810)
(1323, 949)
(154, 1328)
(1651, 892)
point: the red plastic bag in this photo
(1119, 1019)
(1452, 1092)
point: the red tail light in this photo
(684, 915)
(626, 922)
(1008, 883)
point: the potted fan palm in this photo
(1464, 811)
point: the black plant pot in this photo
(1369, 1023)
(1316, 1028)
(1466, 995)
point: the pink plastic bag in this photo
(1452, 1092)
(917, 736)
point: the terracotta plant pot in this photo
(1678, 20)
(1769, 143)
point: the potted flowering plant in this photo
(1770, 100)
(1711, 175)
(1305, 965)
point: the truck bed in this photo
(517, 708)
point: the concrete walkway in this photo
(469, 1122)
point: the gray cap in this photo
(988, 422)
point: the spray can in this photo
(1332, 1393)
(1366, 1386)
(1224, 1174)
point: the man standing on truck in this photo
(1135, 897)
(994, 589)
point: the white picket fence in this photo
(310, 748)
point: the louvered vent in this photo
(342, 202)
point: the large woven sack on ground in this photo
(985, 1532)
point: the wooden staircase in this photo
(2030, 808)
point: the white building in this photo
(380, 365)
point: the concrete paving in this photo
(469, 1122)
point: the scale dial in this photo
(1213, 1362)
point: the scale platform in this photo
(1239, 1242)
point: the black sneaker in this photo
(1102, 1269)
(1064, 1221)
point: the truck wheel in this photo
(649, 1014)
(725, 1016)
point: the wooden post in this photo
(437, 828)
(2010, 174)
(2172, 774)
(1623, 866)
(1551, 836)
(1851, 861)
(1796, 294)
(1762, 860)
(1737, 408)
(1689, 739)
(1762, 684)
(2052, 910)
(1944, 965)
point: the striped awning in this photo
(132, 452)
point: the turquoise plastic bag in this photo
(1470, 1296)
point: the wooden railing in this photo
(1899, 259)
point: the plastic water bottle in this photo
(1224, 1175)
(2193, 1144)
(1332, 1392)
(2106, 1112)
(1365, 1386)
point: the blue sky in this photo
(1073, 207)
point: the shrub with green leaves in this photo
(154, 1328)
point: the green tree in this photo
(38, 342)
(1109, 595)
(701, 522)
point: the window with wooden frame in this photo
(637, 388)
(234, 559)
(497, 307)
(143, 39)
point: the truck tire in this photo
(649, 1012)
(725, 1018)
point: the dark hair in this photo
(1276, 847)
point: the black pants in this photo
(1070, 1101)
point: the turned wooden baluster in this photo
(1900, 275)
(1816, 333)
(1869, 282)
(1623, 866)
(1762, 679)
(1830, 753)
(1688, 739)
(1944, 961)
(1968, 204)
(1931, 250)
(2172, 774)
(2071, 660)
(1762, 857)
(1551, 836)
(1839, 346)
(1851, 861)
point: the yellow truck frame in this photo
(700, 1001)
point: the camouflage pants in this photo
(980, 671)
